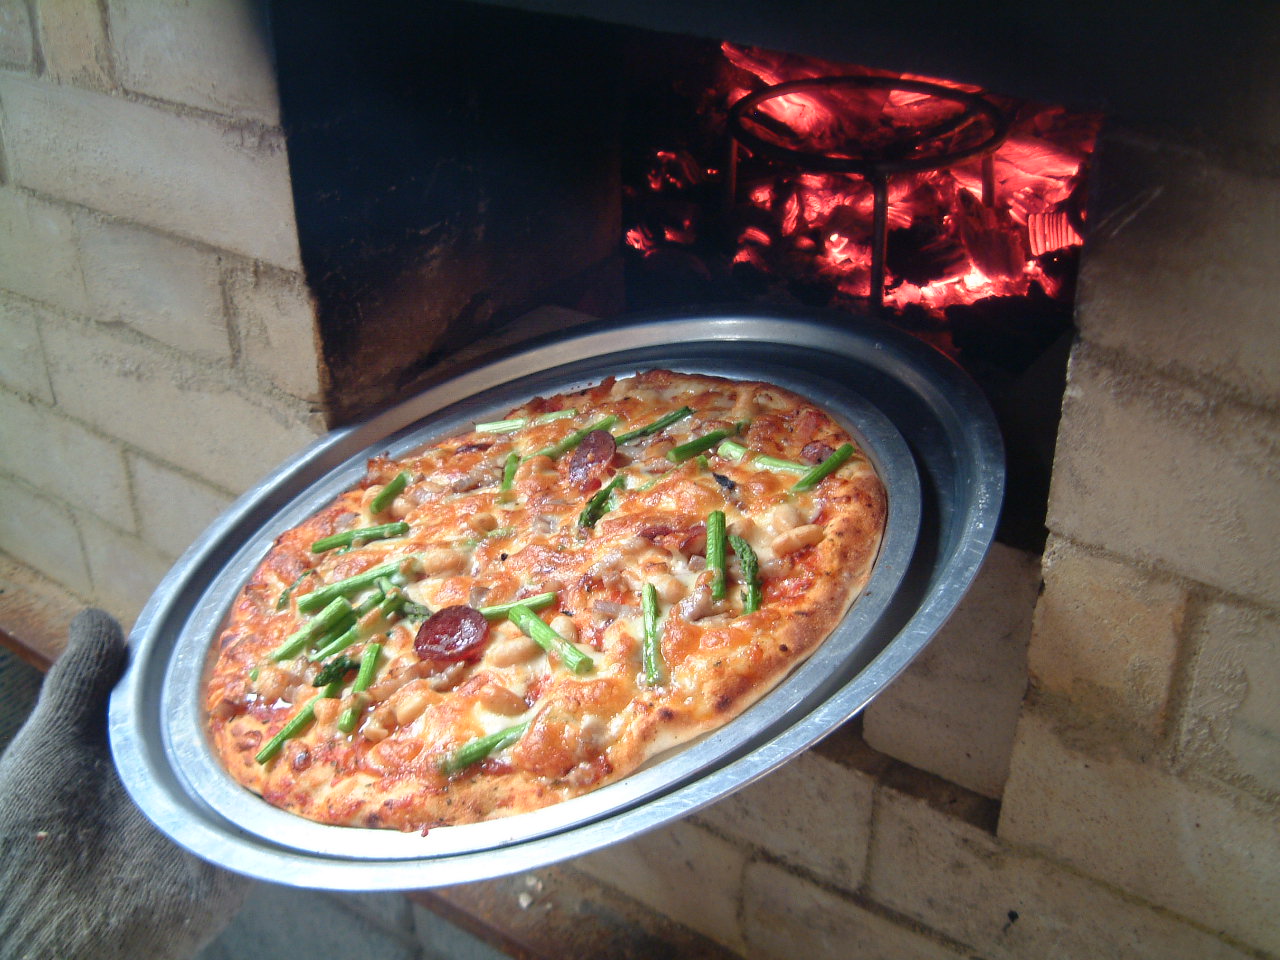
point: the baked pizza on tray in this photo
(527, 611)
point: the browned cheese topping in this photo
(466, 635)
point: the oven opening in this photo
(457, 166)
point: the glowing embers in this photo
(796, 210)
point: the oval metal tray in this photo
(924, 425)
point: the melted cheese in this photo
(473, 539)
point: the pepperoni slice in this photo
(452, 634)
(591, 457)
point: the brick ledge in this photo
(35, 613)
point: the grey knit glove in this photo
(82, 872)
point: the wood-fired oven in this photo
(230, 226)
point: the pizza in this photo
(529, 610)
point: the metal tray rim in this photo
(273, 861)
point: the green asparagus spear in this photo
(344, 588)
(515, 423)
(374, 611)
(827, 466)
(509, 471)
(534, 627)
(598, 505)
(299, 722)
(335, 669)
(660, 424)
(382, 531)
(691, 448)
(536, 602)
(716, 553)
(332, 615)
(575, 438)
(288, 591)
(652, 639)
(473, 751)
(368, 666)
(732, 450)
(382, 499)
(750, 573)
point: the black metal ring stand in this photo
(876, 166)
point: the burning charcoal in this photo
(923, 253)
(994, 244)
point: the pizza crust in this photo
(475, 544)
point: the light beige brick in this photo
(124, 570)
(196, 178)
(22, 366)
(954, 710)
(64, 460)
(1149, 469)
(1106, 638)
(276, 328)
(180, 412)
(786, 917)
(41, 258)
(159, 286)
(681, 871)
(173, 509)
(42, 534)
(966, 884)
(215, 55)
(1232, 716)
(73, 41)
(17, 47)
(1208, 856)
(1179, 246)
(810, 812)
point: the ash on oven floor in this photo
(280, 923)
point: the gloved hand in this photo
(82, 873)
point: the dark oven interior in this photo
(457, 164)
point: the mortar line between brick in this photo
(235, 336)
(1180, 755)
(65, 591)
(5, 178)
(858, 898)
(250, 387)
(1144, 375)
(858, 895)
(265, 135)
(127, 448)
(354, 906)
(1186, 653)
(1206, 592)
(740, 895)
(131, 489)
(75, 512)
(44, 365)
(37, 47)
(73, 515)
(873, 829)
(109, 45)
(1016, 849)
(196, 243)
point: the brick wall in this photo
(1129, 804)
(160, 349)
(1101, 779)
